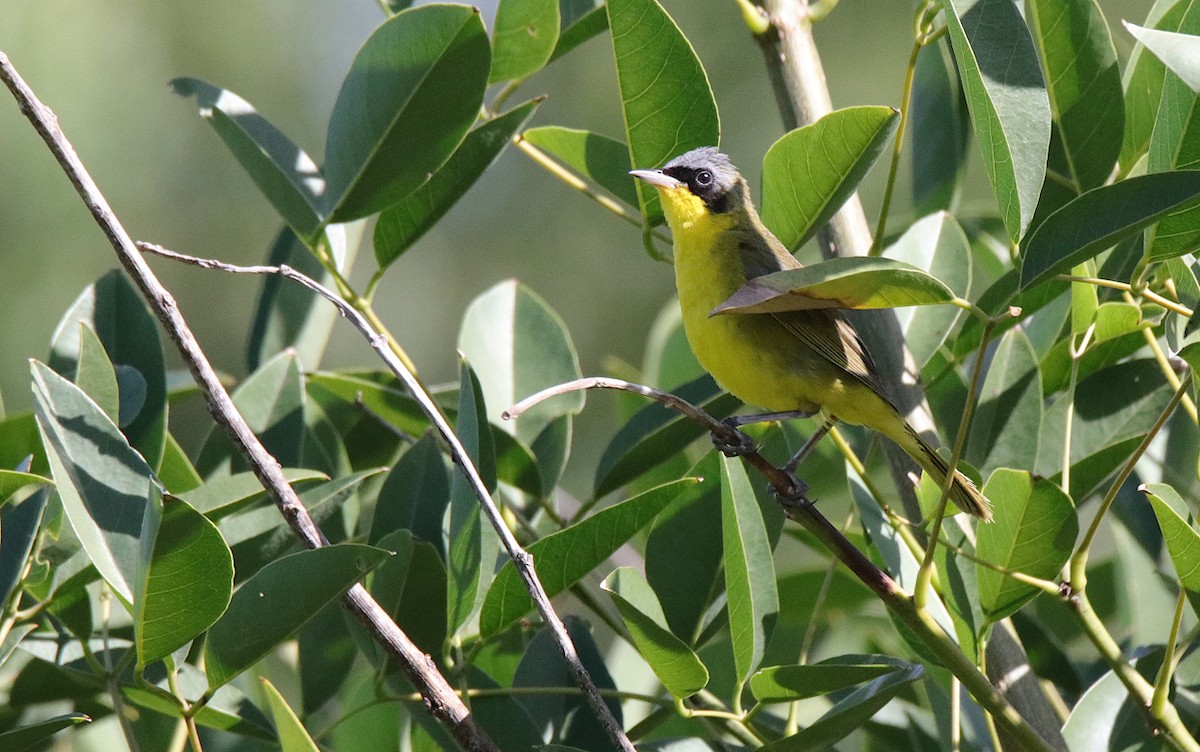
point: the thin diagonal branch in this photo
(521, 558)
(438, 694)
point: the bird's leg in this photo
(744, 444)
(737, 421)
(805, 450)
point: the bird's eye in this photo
(704, 178)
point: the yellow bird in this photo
(804, 362)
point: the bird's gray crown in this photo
(708, 173)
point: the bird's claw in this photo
(741, 444)
(795, 496)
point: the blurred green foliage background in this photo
(104, 67)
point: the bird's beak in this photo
(657, 178)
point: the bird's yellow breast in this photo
(754, 357)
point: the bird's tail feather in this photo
(963, 492)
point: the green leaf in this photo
(414, 89)
(810, 172)
(185, 579)
(938, 245)
(175, 471)
(1183, 542)
(414, 495)
(1009, 415)
(1084, 86)
(221, 497)
(227, 710)
(285, 174)
(1107, 717)
(853, 282)
(101, 480)
(1115, 319)
(292, 735)
(749, 569)
(115, 311)
(581, 21)
(524, 36)
(665, 96)
(1114, 405)
(791, 683)
(31, 737)
(473, 544)
(561, 559)
(12, 481)
(673, 662)
(656, 433)
(941, 128)
(1143, 81)
(278, 600)
(291, 315)
(272, 401)
(1033, 532)
(19, 524)
(1101, 218)
(1179, 52)
(406, 221)
(1002, 78)
(600, 159)
(519, 346)
(683, 552)
(850, 713)
(565, 713)
(94, 374)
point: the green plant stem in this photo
(971, 308)
(502, 96)
(1162, 684)
(897, 149)
(546, 162)
(1046, 586)
(1164, 365)
(921, 589)
(1153, 297)
(189, 718)
(1079, 560)
(1170, 726)
(754, 16)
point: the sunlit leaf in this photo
(809, 173)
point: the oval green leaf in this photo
(1183, 542)
(809, 173)
(115, 311)
(665, 96)
(561, 559)
(1002, 77)
(403, 223)
(32, 736)
(519, 346)
(941, 128)
(853, 282)
(278, 600)
(185, 580)
(1179, 52)
(938, 245)
(1101, 218)
(580, 22)
(285, 174)
(673, 662)
(412, 92)
(524, 36)
(1033, 532)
